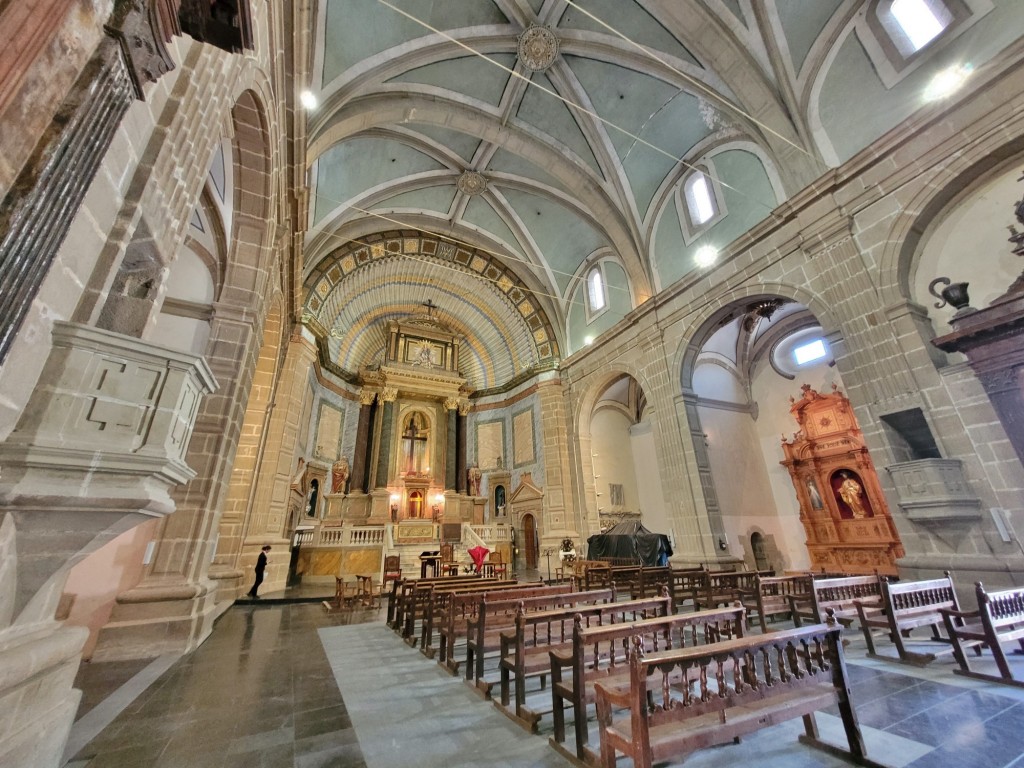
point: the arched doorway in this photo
(530, 541)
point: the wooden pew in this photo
(597, 575)
(439, 596)
(999, 619)
(483, 631)
(525, 649)
(771, 595)
(796, 672)
(840, 595)
(650, 580)
(717, 588)
(907, 606)
(461, 607)
(683, 585)
(600, 654)
(415, 607)
(401, 590)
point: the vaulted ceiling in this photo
(545, 136)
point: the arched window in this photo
(700, 199)
(595, 290)
(920, 21)
(900, 34)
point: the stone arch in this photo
(963, 172)
(705, 322)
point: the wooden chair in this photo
(448, 566)
(392, 570)
(497, 565)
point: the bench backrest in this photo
(731, 673)
(1001, 609)
(839, 594)
(916, 597)
(557, 625)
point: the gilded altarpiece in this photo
(842, 508)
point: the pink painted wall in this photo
(97, 580)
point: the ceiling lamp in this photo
(705, 256)
(947, 82)
(538, 47)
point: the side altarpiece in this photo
(842, 508)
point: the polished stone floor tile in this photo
(288, 686)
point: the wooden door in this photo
(530, 541)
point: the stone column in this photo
(452, 468)
(364, 445)
(557, 522)
(388, 395)
(460, 447)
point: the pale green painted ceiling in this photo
(405, 110)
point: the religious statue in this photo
(850, 491)
(474, 475)
(812, 491)
(339, 475)
(423, 356)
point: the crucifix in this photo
(431, 306)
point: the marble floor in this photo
(279, 685)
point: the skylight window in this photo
(917, 20)
(699, 199)
(808, 353)
(595, 285)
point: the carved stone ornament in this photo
(471, 183)
(465, 407)
(389, 394)
(538, 47)
(451, 403)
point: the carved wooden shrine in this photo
(842, 508)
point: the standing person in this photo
(261, 566)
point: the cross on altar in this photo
(431, 306)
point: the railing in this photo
(470, 538)
(369, 536)
(304, 537)
(491, 534)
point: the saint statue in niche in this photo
(812, 491)
(851, 492)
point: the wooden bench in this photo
(906, 606)
(418, 603)
(440, 595)
(600, 654)
(525, 650)
(841, 596)
(401, 591)
(716, 588)
(683, 583)
(483, 631)
(597, 575)
(461, 607)
(771, 595)
(999, 619)
(742, 685)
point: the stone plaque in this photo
(522, 437)
(490, 444)
(328, 432)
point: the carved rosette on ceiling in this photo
(471, 183)
(538, 47)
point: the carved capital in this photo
(389, 394)
(451, 403)
(367, 396)
(465, 407)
